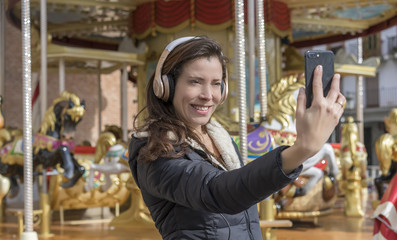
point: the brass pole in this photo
(266, 212)
(45, 207)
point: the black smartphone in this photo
(313, 58)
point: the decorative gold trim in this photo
(55, 52)
(144, 34)
(175, 29)
(71, 53)
(216, 27)
(299, 4)
(332, 22)
(278, 32)
(296, 215)
(125, 4)
(349, 69)
(78, 26)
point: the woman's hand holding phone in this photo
(315, 124)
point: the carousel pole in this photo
(43, 40)
(99, 98)
(124, 108)
(240, 72)
(2, 76)
(44, 197)
(2, 47)
(251, 58)
(260, 23)
(61, 75)
(45, 207)
(266, 207)
(360, 92)
(28, 233)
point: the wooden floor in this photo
(334, 226)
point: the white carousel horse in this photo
(4, 187)
(111, 153)
(111, 165)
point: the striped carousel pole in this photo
(44, 194)
(260, 24)
(2, 47)
(251, 59)
(266, 206)
(240, 72)
(28, 234)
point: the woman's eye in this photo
(194, 81)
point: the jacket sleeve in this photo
(199, 185)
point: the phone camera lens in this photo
(312, 55)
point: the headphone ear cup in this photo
(224, 91)
(171, 84)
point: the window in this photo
(392, 44)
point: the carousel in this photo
(84, 65)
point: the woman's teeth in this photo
(201, 108)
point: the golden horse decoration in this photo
(353, 158)
(386, 151)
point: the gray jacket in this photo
(189, 198)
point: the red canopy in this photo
(171, 16)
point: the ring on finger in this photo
(340, 103)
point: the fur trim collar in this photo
(222, 140)
(223, 143)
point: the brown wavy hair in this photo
(161, 118)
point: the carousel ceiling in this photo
(95, 23)
(103, 21)
(333, 20)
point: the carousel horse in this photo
(111, 158)
(52, 145)
(8, 185)
(110, 149)
(386, 151)
(104, 183)
(4, 187)
(353, 158)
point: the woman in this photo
(188, 168)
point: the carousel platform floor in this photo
(334, 226)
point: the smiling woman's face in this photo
(198, 91)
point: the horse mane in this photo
(281, 101)
(49, 119)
